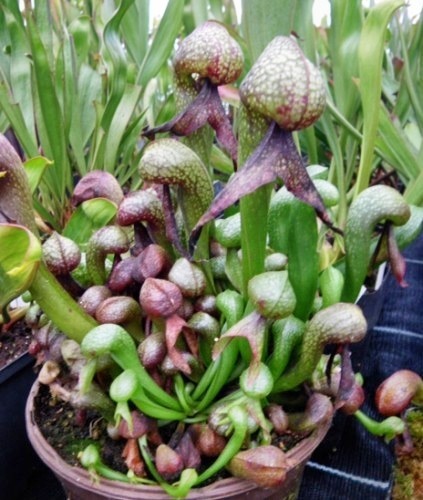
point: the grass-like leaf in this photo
(162, 44)
(370, 53)
(262, 22)
(135, 29)
(34, 169)
(117, 62)
(50, 111)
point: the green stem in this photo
(91, 460)
(388, 428)
(337, 324)
(231, 305)
(301, 232)
(340, 118)
(287, 334)
(238, 417)
(59, 306)
(145, 404)
(107, 240)
(186, 482)
(115, 341)
(180, 393)
(337, 161)
(201, 140)
(206, 379)
(224, 368)
(254, 207)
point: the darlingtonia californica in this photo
(207, 58)
(287, 91)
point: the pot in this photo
(16, 380)
(78, 484)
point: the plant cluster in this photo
(172, 311)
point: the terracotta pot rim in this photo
(120, 490)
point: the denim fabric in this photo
(350, 463)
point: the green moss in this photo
(408, 472)
(415, 423)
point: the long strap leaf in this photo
(134, 29)
(117, 62)
(50, 109)
(370, 54)
(262, 20)
(163, 42)
(16, 119)
(20, 70)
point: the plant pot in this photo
(16, 380)
(78, 484)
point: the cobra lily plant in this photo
(194, 327)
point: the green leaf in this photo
(19, 260)
(292, 226)
(262, 21)
(5, 44)
(135, 25)
(337, 165)
(370, 53)
(17, 121)
(163, 42)
(395, 147)
(216, 8)
(260, 24)
(414, 192)
(80, 30)
(88, 217)
(304, 28)
(35, 168)
(303, 268)
(116, 61)
(410, 78)
(233, 268)
(199, 11)
(66, 79)
(344, 37)
(84, 114)
(51, 114)
(14, 8)
(119, 125)
(42, 17)
(20, 72)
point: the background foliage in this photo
(80, 79)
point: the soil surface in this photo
(70, 431)
(14, 342)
